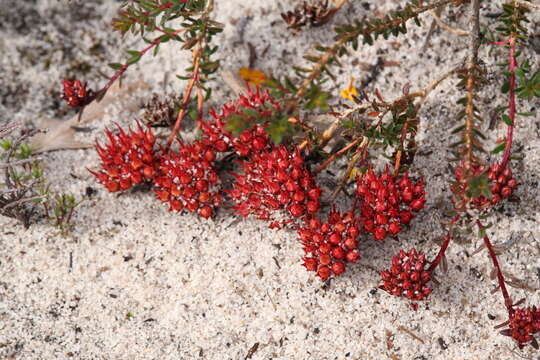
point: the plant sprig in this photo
(393, 24)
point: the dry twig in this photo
(441, 24)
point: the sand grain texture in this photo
(137, 282)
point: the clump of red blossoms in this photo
(523, 324)
(407, 276)
(128, 159)
(76, 94)
(188, 180)
(255, 137)
(330, 245)
(501, 184)
(273, 180)
(387, 202)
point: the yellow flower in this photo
(354, 173)
(254, 77)
(350, 91)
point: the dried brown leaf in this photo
(60, 134)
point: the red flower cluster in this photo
(388, 203)
(128, 159)
(502, 184)
(524, 323)
(254, 138)
(273, 180)
(407, 276)
(76, 94)
(459, 189)
(330, 245)
(188, 180)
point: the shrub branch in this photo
(474, 43)
(350, 34)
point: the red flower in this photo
(388, 203)
(188, 180)
(254, 138)
(501, 184)
(76, 94)
(523, 324)
(128, 159)
(407, 276)
(274, 180)
(331, 245)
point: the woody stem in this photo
(511, 100)
(187, 96)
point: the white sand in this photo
(137, 282)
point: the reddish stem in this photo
(166, 5)
(444, 246)
(171, 34)
(124, 67)
(200, 101)
(364, 155)
(440, 255)
(334, 156)
(397, 162)
(500, 276)
(503, 42)
(187, 96)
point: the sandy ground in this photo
(134, 281)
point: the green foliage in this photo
(277, 124)
(528, 85)
(28, 170)
(135, 56)
(59, 209)
(22, 177)
(499, 148)
(20, 151)
(478, 186)
(477, 76)
(511, 28)
(202, 31)
(147, 17)
(140, 17)
(23, 191)
(506, 119)
(279, 89)
(390, 126)
(317, 98)
(5, 144)
(528, 82)
(280, 128)
(386, 134)
(511, 21)
(393, 24)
